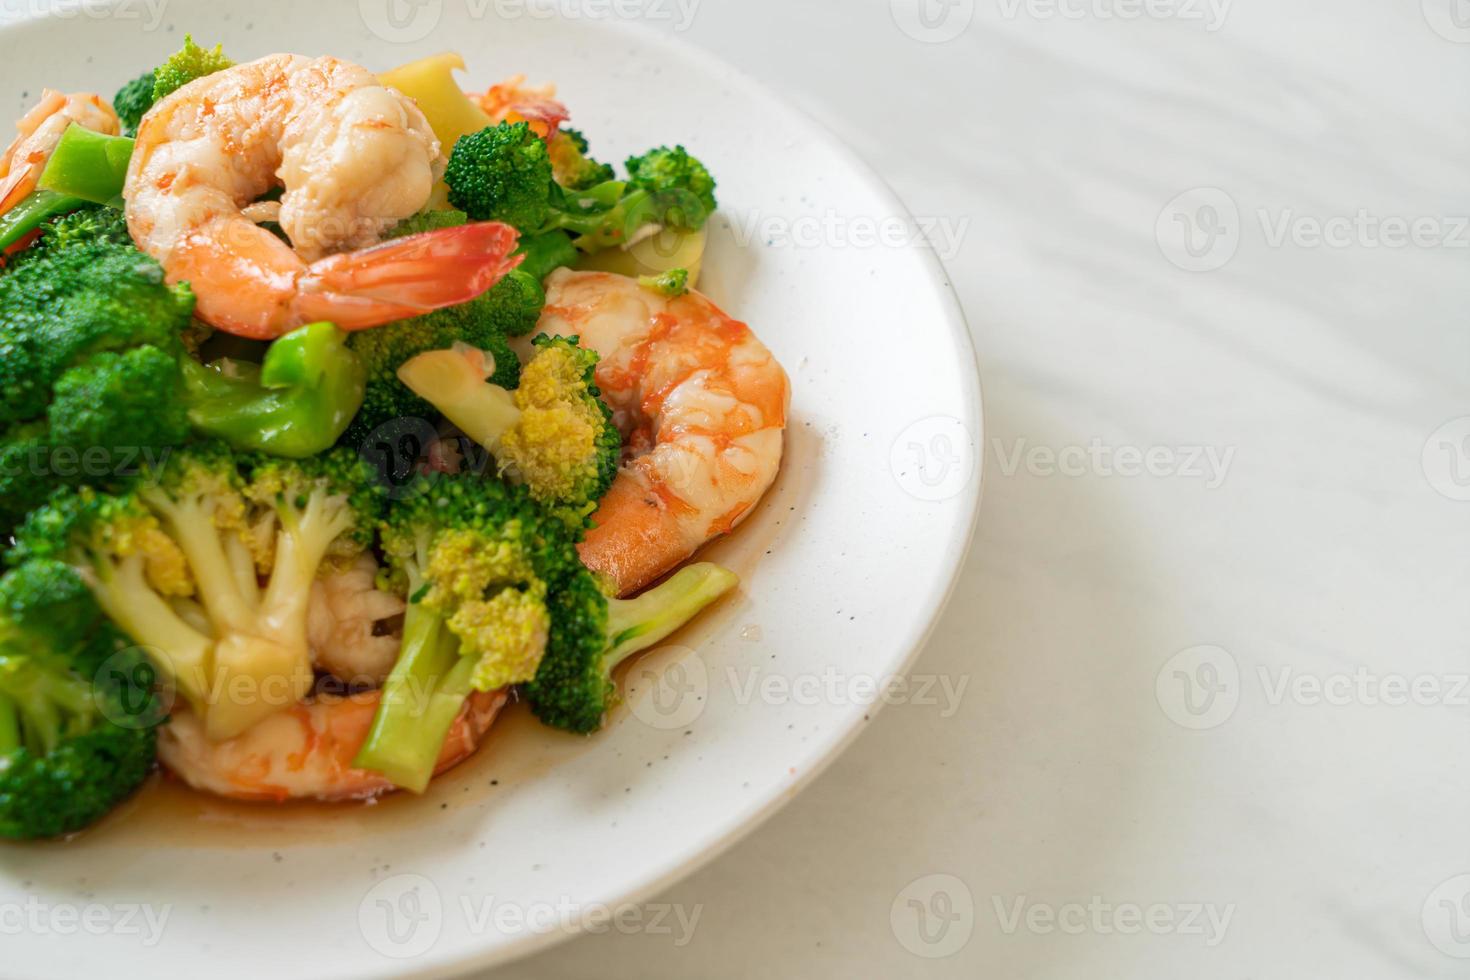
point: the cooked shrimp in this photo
(306, 751)
(514, 101)
(353, 158)
(349, 624)
(701, 404)
(39, 132)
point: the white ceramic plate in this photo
(846, 564)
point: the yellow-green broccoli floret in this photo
(553, 433)
(671, 284)
(187, 64)
(498, 595)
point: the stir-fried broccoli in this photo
(497, 596)
(178, 562)
(470, 555)
(185, 65)
(665, 171)
(544, 253)
(89, 350)
(553, 433)
(133, 101)
(671, 284)
(506, 173)
(77, 709)
(502, 173)
(508, 309)
(592, 634)
(571, 167)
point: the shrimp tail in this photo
(15, 185)
(408, 276)
(18, 172)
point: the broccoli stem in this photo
(193, 526)
(302, 547)
(182, 651)
(636, 624)
(454, 383)
(421, 698)
(45, 705)
(9, 726)
(88, 165)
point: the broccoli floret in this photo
(505, 173)
(502, 173)
(508, 309)
(553, 433)
(592, 634)
(688, 183)
(88, 226)
(427, 221)
(96, 403)
(571, 167)
(133, 101)
(77, 710)
(88, 331)
(497, 592)
(470, 556)
(239, 539)
(671, 284)
(187, 64)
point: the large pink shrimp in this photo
(701, 403)
(39, 132)
(306, 751)
(353, 158)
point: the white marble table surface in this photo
(1213, 635)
